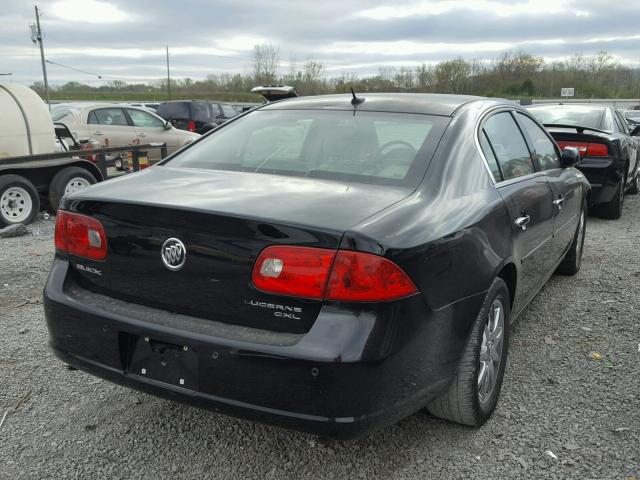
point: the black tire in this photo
(573, 259)
(462, 403)
(613, 209)
(635, 185)
(59, 183)
(13, 208)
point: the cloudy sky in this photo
(125, 40)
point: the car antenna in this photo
(355, 101)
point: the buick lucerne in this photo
(329, 264)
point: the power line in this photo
(75, 69)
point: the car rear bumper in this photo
(602, 176)
(357, 369)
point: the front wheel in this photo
(474, 392)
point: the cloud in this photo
(90, 11)
(120, 39)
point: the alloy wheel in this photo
(491, 351)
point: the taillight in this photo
(318, 273)
(363, 277)
(191, 126)
(80, 235)
(587, 149)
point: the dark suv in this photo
(196, 116)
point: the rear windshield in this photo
(580, 115)
(174, 110)
(370, 147)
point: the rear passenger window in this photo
(490, 156)
(110, 116)
(509, 146)
(545, 150)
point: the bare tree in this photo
(266, 59)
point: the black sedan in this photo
(329, 264)
(609, 151)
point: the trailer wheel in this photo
(66, 181)
(19, 200)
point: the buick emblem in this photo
(173, 254)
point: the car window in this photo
(174, 110)
(93, 120)
(509, 146)
(200, 112)
(143, 119)
(490, 156)
(110, 116)
(544, 148)
(371, 147)
(228, 111)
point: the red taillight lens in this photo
(80, 235)
(363, 277)
(294, 271)
(191, 126)
(318, 273)
(587, 149)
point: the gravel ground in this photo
(556, 396)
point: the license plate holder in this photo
(165, 362)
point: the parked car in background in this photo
(272, 93)
(330, 264)
(609, 151)
(118, 126)
(196, 116)
(632, 117)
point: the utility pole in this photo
(36, 36)
(168, 77)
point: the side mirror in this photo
(167, 126)
(636, 131)
(570, 157)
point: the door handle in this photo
(141, 134)
(559, 203)
(97, 133)
(523, 221)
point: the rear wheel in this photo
(474, 393)
(613, 209)
(19, 200)
(67, 181)
(573, 259)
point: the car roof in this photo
(424, 103)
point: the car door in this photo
(567, 201)
(110, 126)
(151, 129)
(528, 199)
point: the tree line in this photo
(511, 74)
